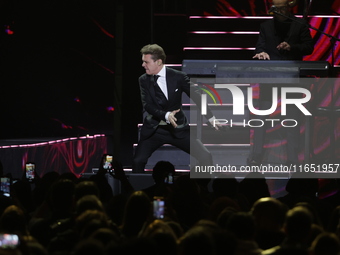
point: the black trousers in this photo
(162, 136)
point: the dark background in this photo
(72, 67)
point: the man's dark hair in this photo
(155, 51)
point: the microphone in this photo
(272, 10)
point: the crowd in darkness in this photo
(62, 214)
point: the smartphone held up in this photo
(158, 207)
(30, 171)
(5, 186)
(107, 163)
(9, 241)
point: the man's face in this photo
(151, 67)
(281, 7)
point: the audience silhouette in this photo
(297, 227)
(163, 175)
(269, 214)
(62, 214)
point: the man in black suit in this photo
(166, 122)
(284, 37)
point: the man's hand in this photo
(172, 119)
(283, 46)
(262, 55)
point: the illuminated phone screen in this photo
(30, 167)
(9, 241)
(158, 207)
(5, 186)
(107, 164)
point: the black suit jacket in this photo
(177, 83)
(298, 37)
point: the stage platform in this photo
(81, 156)
(60, 154)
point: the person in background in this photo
(284, 37)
